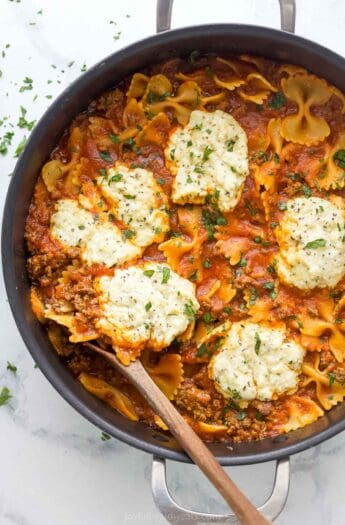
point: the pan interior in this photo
(233, 39)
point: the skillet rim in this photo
(10, 255)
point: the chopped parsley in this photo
(189, 310)
(20, 147)
(207, 317)
(230, 145)
(148, 306)
(11, 367)
(194, 275)
(166, 275)
(128, 196)
(149, 273)
(155, 97)
(22, 122)
(114, 138)
(282, 206)
(116, 178)
(27, 85)
(307, 191)
(206, 154)
(5, 396)
(234, 393)
(259, 416)
(105, 156)
(332, 378)
(242, 263)
(317, 243)
(257, 343)
(5, 142)
(277, 100)
(339, 158)
(202, 350)
(207, 263)
(253, 296)
(193, 57)
(128, 234)
(227, 310)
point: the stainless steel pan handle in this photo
(178, 515)
(287, 15)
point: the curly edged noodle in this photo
(304, 127)
(156, 94)
(137, 201)
(242, 75)
(255, 361)
(167, 374)
(329, 389)
(148, 305)
(208, 156)
(314, 327)
(311, 248)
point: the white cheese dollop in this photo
(70, 224)
(208, 156)
(100, 242)
(105, 245)
(311, 239)
(256, 362)
(138, 201)
(145, 305)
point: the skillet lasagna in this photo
(193, 217)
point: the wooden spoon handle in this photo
(188, 439)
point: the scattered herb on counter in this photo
(27, 85)
(11, 367)
(5, 396)
(105, 436)
(22, 122)
(20, 147)
(5, 142)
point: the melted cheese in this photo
(105, 245)
(70, 224)
(208, 156)
(137, 200)
(145, 305)
(101, 243)
(256, 362)
(310, 237)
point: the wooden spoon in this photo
(187, 438)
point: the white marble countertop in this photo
(54, 467)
